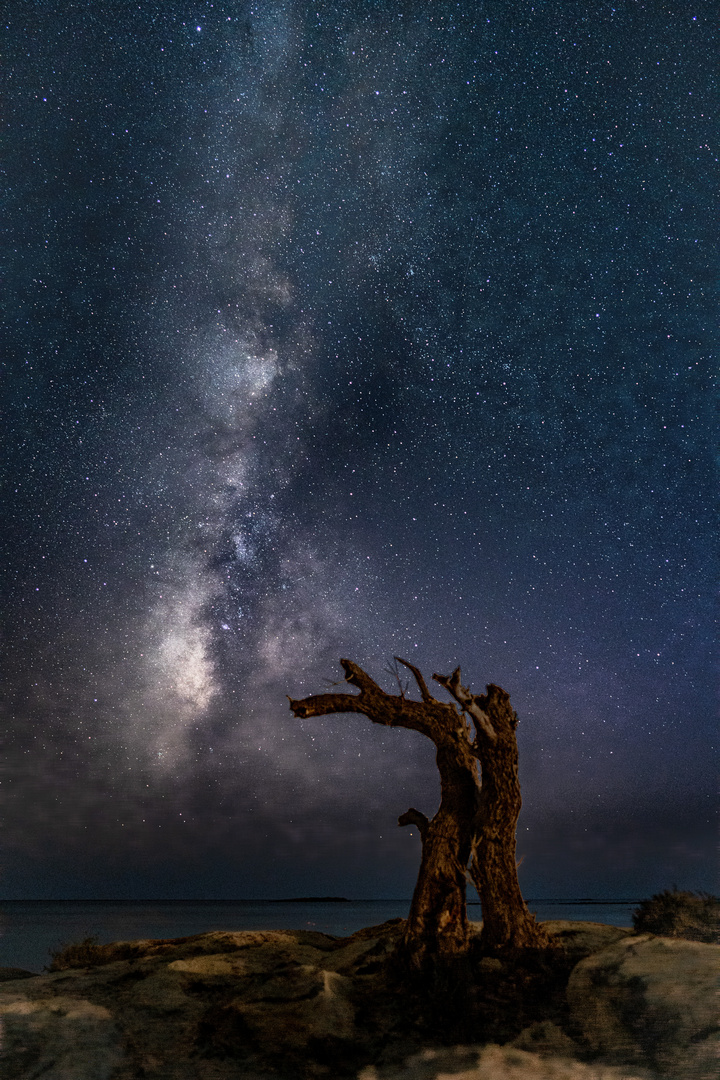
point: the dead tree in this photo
(507, 923)
(475, 822)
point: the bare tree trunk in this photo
(437, 927)
(507, 923)
(472, 823)
(437, 930)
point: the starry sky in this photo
(354, 329)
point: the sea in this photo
(31, 930)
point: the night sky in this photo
(354, 329)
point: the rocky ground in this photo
(298, 1005)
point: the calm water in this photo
(30, 929)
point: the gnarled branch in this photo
(422, 685)
(357, 677)
(415, 817)
(392, 710)
(468, 702)
(322, 704)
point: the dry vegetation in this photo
(89, 953)
(674, 913)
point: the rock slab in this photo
(496, 1063)
(296, 1005)
(217, 1006)
(654, 1001)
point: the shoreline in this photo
(305, 1005)
(11, 972)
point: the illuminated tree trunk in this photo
(473, 824)
(507, 923)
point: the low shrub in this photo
(76, 955)
(90, 953)
(694, 916)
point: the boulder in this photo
(56, 1035)
(8, 974)
(212, 1006)
(495, 1063)
(653, 1001)
(579, 939)
(547, 1039)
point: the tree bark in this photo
(507, 923)
(437, 929)
(473, 823)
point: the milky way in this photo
(354, 330)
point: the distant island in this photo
(311, 900)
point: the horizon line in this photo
(290, 900)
